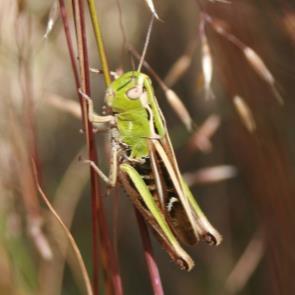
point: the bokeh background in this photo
(250, 198)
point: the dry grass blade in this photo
(53, 15)
(69, 236)
(245, 113)
(72, 184)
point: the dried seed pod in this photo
(179, 108)
(178, 69)
(53, 15)
(201, 139)
(211, 174)
(151, 6)
(207, 66)
(261, 69)
(245, 113)
(258, 65)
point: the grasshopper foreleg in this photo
(96, 119)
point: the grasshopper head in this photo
(125, 92)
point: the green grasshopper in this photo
(143, 160)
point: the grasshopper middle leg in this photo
(112, 178)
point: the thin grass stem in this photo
(99, 42)
(153, 270)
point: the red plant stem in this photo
(95, 192)
(98, 217)
(154, 273)
(83, 55)
(29, 188)
(96, 207)
(64, 18)
(25, 80)
(111, 266)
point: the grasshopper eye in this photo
(135, 92)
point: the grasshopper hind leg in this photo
(144, 201)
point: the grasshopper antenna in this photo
(147, 40)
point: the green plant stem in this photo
(99, 42)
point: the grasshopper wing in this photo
(190, 223)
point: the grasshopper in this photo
(144, 162)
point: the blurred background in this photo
(232, 65)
